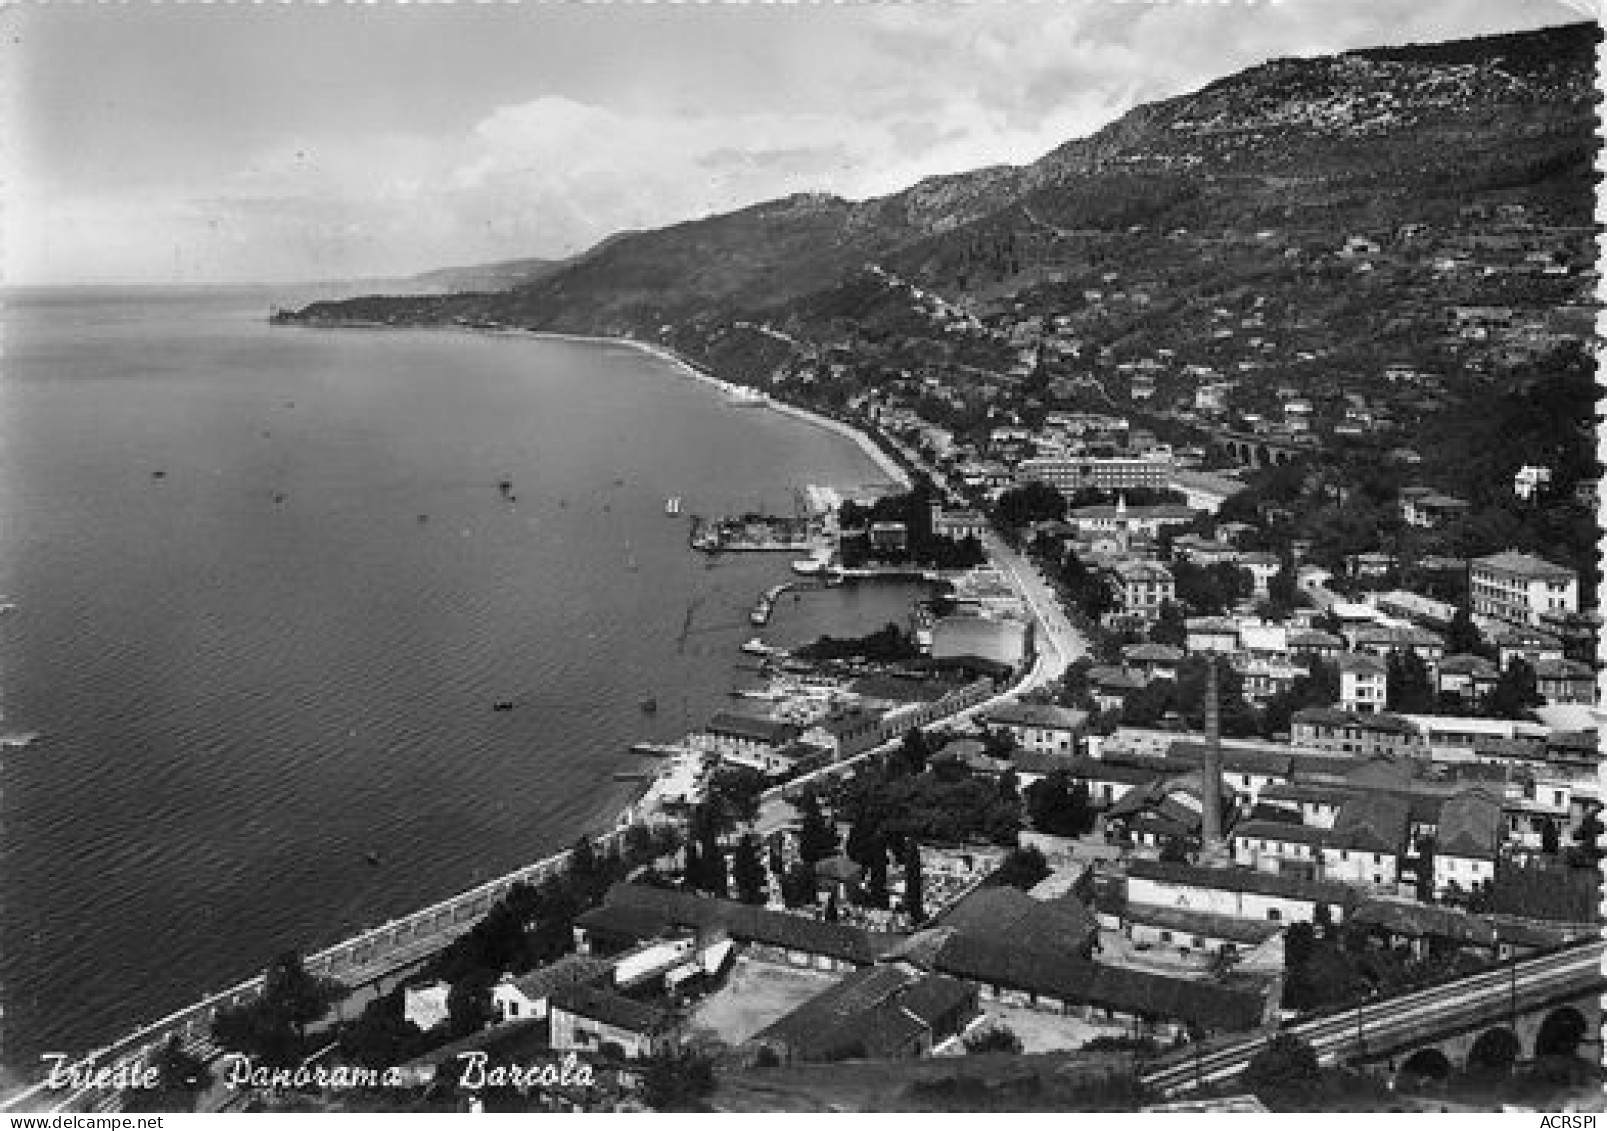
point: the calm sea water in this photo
(267, 591)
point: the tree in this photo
(272, 1028)
(1283, 590)
(1030, 503)
(382, 1035)
(717, 873)
(1022, 868)
(1550, 838)
(876, 883)
(817, 839)
(1586, 837)
(1515, 692)
(1170, 626)
(747, 869)
(831, 914)
(913, 894)
(180, 1079)
(1411, 688)
(1285, 1063)
(674, 1082)
(468, 1003)
(1462, 637)
(1059, 804)
(912, 754)
(798, 885)
(735, 792)
(1175, 850)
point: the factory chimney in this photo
(1213, 849)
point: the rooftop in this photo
(644, 912)
(751, 727)
(1010, 915)
(610, 1009)
(1240, 879)
(1523, 565)
(1035, 715)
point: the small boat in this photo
(372, 856)
(672, 505)
(502, 705)
(649, 705)
(158, 475)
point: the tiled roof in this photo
(1523, 565)
(1008, 914)
(1465, 663)
(1035, 715)
(1115, 679)
(659, 909)
(1418, 920)
(610, 1009)
(1108, 769)
(1042, 761)
(1278, 830)
(1241, 879)
(1074, 979)
(773, 731)
(1360, 663)
(1151, 653)
(1250, 932)
(1271, 759)
(1470, 826)
(570, 969)
(1374, 822)
(1335, 717)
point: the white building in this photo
(1363, 683)
(1142, 587)
(1241, 893)
(1529, 479)
(1520, 588)
(1037, 726)
(1468, 841)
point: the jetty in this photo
(755, 533)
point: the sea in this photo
(265, 586)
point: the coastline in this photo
(877, 455)
(19, 1082)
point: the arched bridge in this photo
(1544, 1004)
(1258, 451)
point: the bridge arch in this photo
(1561, 1033)
(1494, 1053)
(1265, 457)
(1425, 1065)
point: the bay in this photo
(268, 589)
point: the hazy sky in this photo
(291, 141)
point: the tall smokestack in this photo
(1211, 775)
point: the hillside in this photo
(1386, 134)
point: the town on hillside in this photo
(1243, 749)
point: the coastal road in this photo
(1059, 643)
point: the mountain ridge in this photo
(1388, 118)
